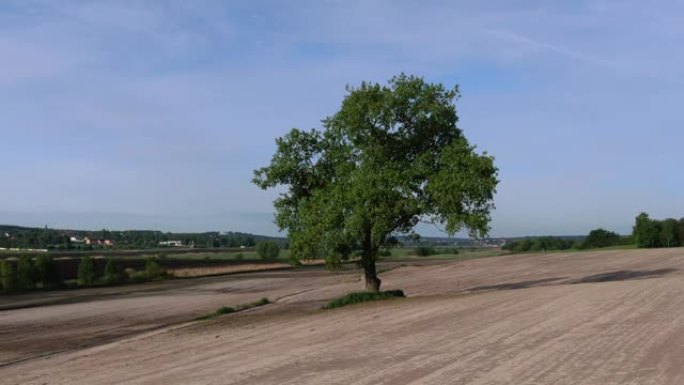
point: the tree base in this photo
(373, 284)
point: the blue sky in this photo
(153, 114)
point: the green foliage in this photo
(601, 238)
(86, 272)
(646, 232)
(539, 244)
(138, 277)
(391, 156)
(649, 232)
(225, 310)
(669, 233)
(268, 250)
(261, 302)
(390, 243)
(8, 276)
(425, 251)
(629, 239)
(153, 270)
(48, 275)
(114, 274)
(364, 296)
(27, 275)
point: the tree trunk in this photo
(371, 276)
(368, 262)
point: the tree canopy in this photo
(649, 232)
(390, 157)
(539, 244)
(598, 238)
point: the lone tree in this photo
(392, 156)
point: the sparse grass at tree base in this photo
(228, 309)
(363, 296)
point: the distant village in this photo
(17, 238)
(91, 242)
(109, 242)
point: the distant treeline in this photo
(649, 232)
(46, 273)
(597, 238)
(54, 239)
(646, 233)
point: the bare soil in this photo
(609, 317)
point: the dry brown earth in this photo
(611, 317)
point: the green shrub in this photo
(86, 272)
(110, 269)
(539, 244)
(138, 277)
(425, 251)
(27, 275)
(263, 301)
(364, 296)
(598, 238)
(114, 274)
(8, 276)
(48, 275)
(239, 256)
(153, 270)
(268, 250)
(228, 309)
(225, 310)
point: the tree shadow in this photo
(624, 275)
(516, 285)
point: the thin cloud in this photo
(148, 107)
(578, 56)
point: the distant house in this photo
(171, 243)
(98, 242)
(76, 240)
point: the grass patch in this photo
(225, 310)
(228, 309)
(363, 296)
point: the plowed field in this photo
(606, 317)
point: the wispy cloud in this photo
(535, 46)
(146, 107)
